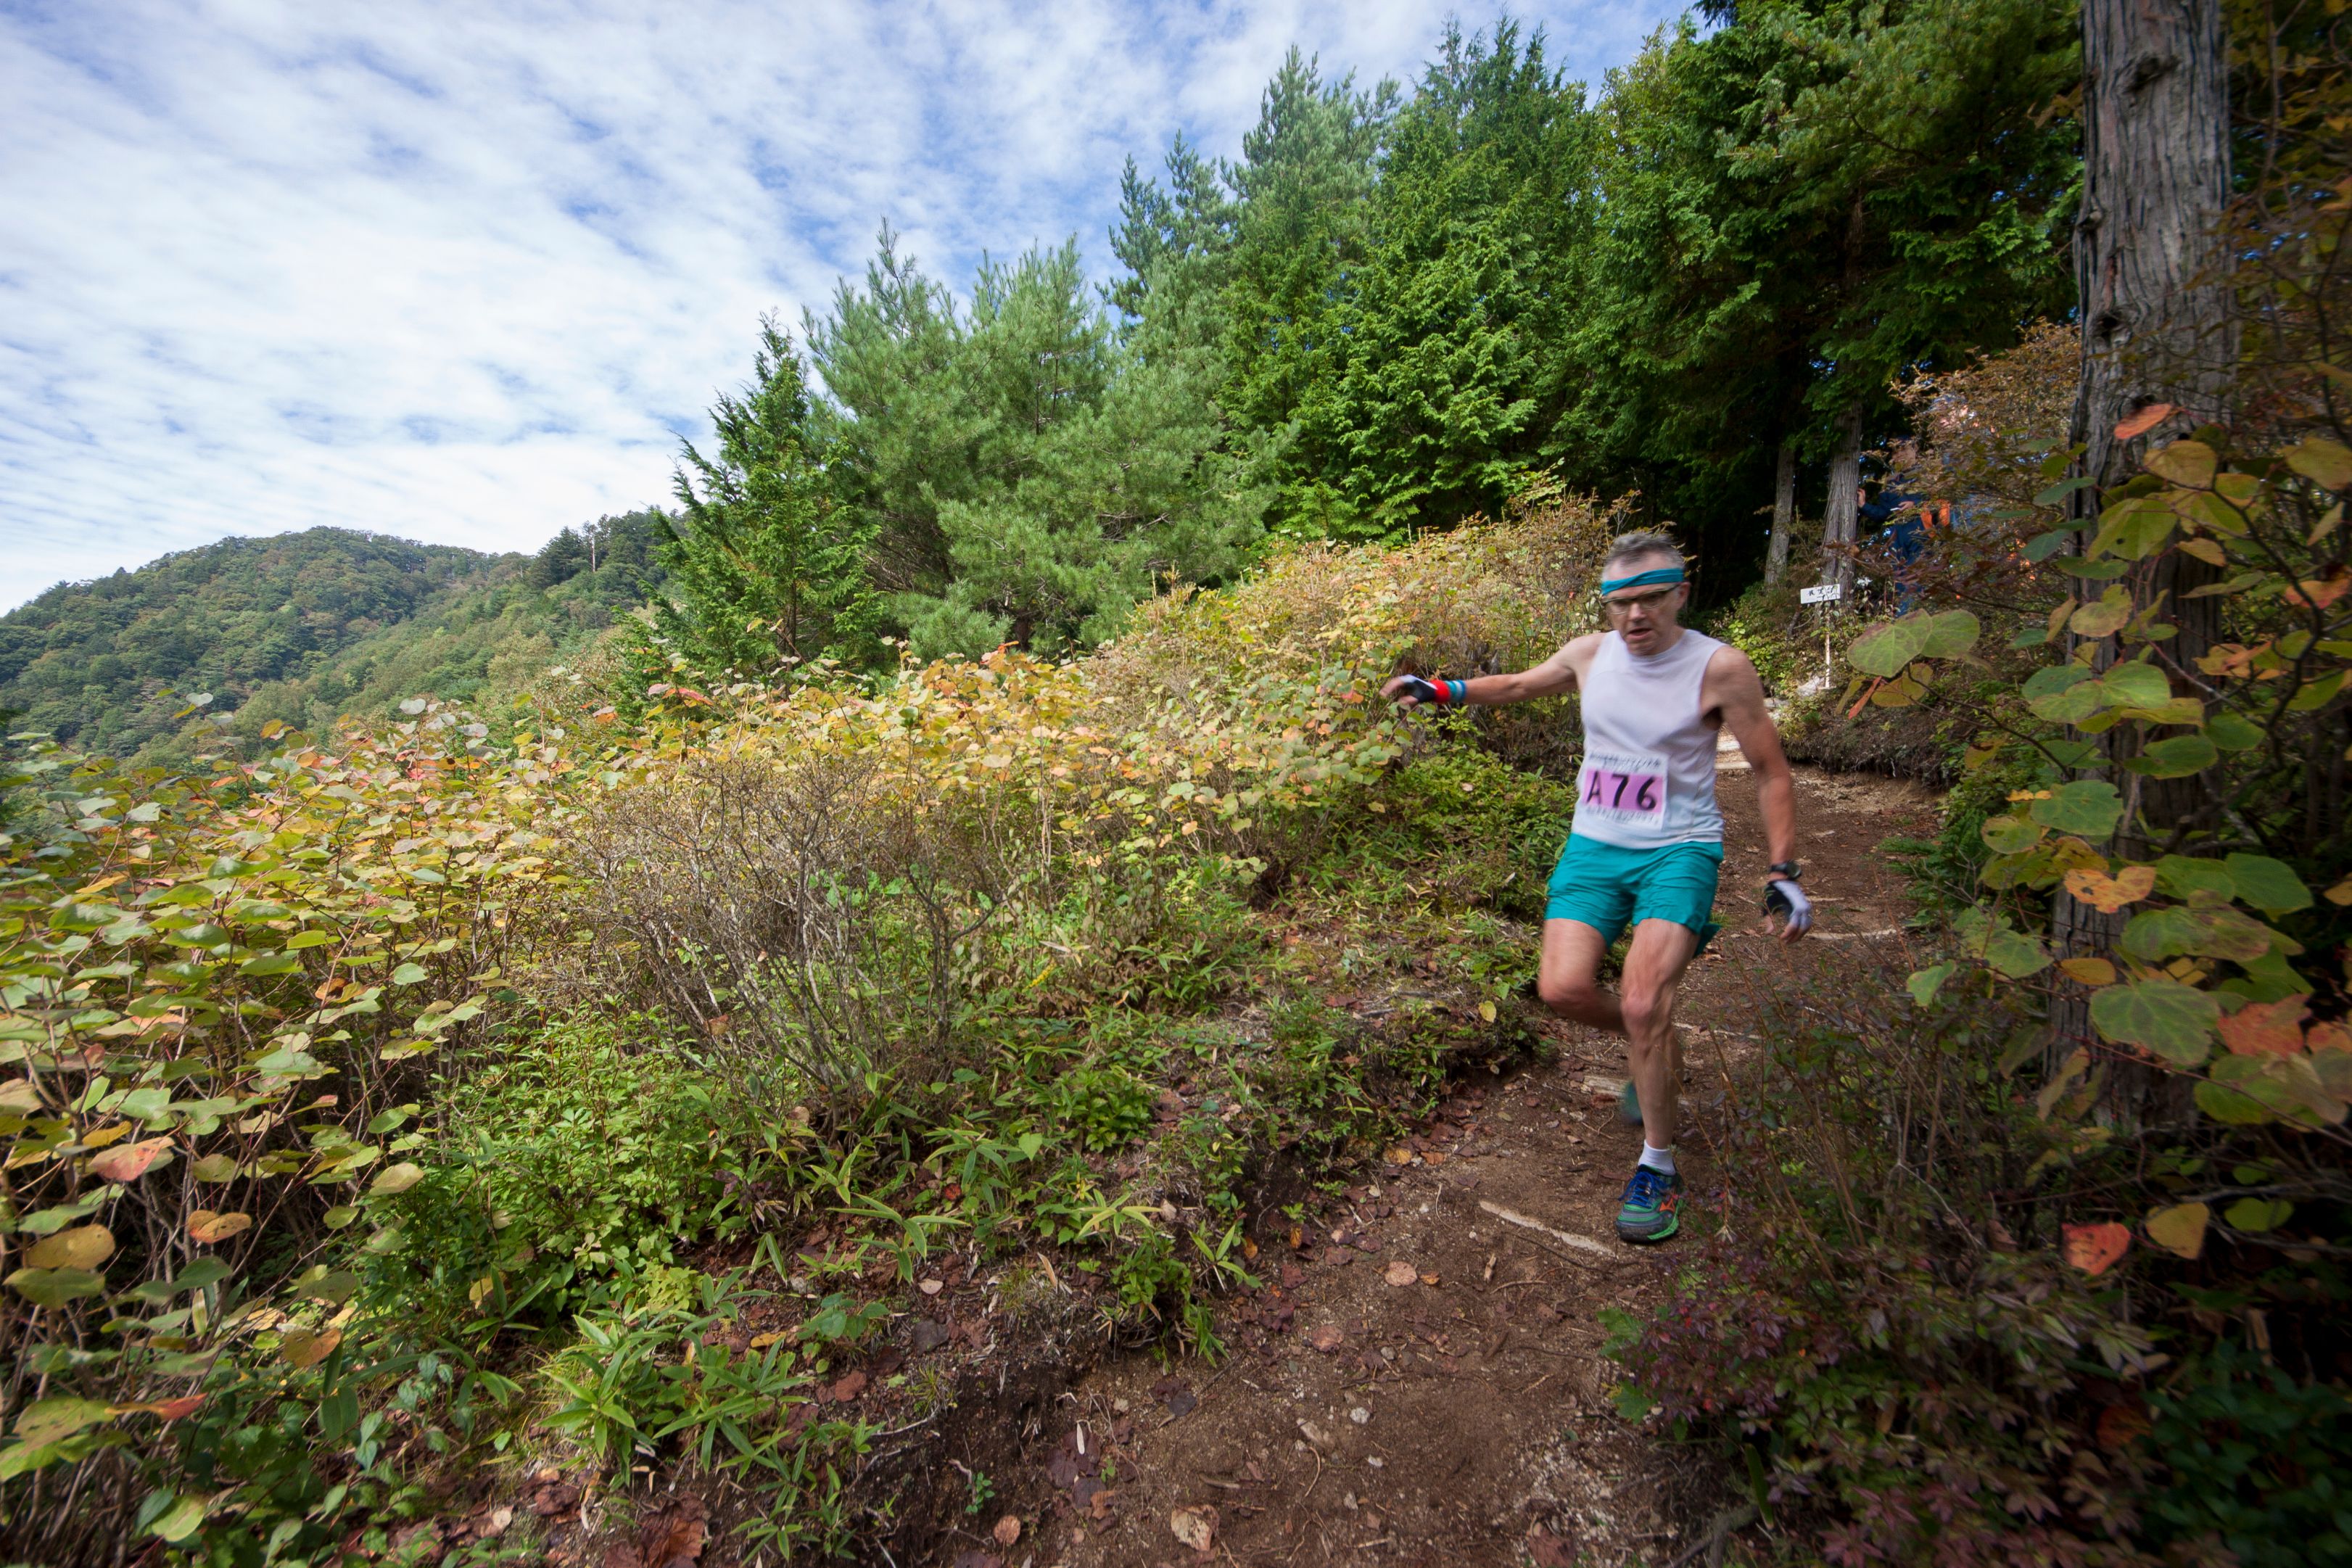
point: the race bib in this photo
(1628, 790)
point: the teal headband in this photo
(1643, 579)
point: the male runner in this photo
(1647, 840)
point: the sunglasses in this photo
(1654, 600)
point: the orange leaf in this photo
(2317, 594)
(2145, 420)
(129, 1163)
(304, 1350)
(2093, 1248)
(2107, 894)
(207, 1227)
(2089, 970)
(2266, 1028)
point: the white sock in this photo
(1658, 1159)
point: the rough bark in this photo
(1784, 513)
(2157, 328)
(1841, 519)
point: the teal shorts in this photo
(1605, 887)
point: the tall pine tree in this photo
(766, 568)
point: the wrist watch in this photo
(1787, 868)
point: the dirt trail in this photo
(1420, 1382)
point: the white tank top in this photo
(1648, 778)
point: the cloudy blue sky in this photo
(464, 272)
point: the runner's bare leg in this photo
(1567, 980)
(1661, 950)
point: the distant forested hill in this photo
(306, 628)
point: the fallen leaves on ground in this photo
(1548, 1550)
(1401, 1273)
(1195, 1526)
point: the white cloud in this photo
(463, 272)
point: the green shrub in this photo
(2256, 1458)
(586, 1153)
(1944, 870)
(650, 1373)
(1106, 1105)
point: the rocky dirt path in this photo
(1421, 1379)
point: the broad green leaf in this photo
(2096, 571)
(2174, 1021)
(2326, 463)
(179, 1521)
(2135, 686)
(2232, 732)
(2043, 546)
(2286, 1086)
(47, 1421)
(2270, 886)
(22, 1459)
(2171, 710)
(152, 1103)
(2255, 1216)
(2010, 834)
(2087, 806)
(270, 963)
(201, 1274)
(2194, 880)
(301, 939)
(2180, 1228)
(2319, 693)
(2062, 693)
(1924, 984)
(2133, 530)
(1951, 635)
(84, 1246)
(2104, 616)
(1885, 649)
(2187, 463)
(2015, 954)
(2227, 1105)
(2175, 756)
(2153, 935)
(55, 1286)
(332, 1285)
(215, 1168)
(396, 1179)
(409, 974)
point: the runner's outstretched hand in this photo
(1412, 691)
(1782, 897)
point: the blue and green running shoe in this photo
(1650, 1211)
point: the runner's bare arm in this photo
(1734, 688)
(1550, 678)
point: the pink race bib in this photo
(1630, 791)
